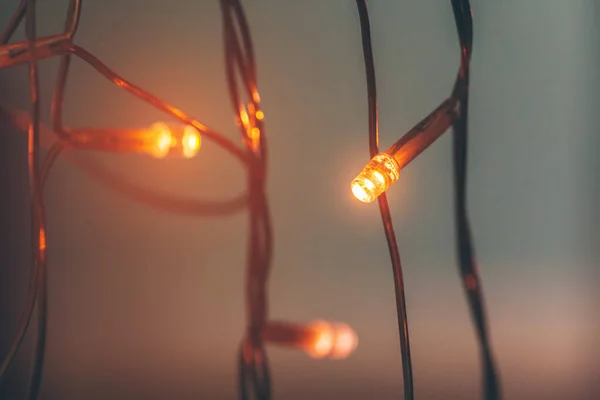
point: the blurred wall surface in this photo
(149, 305)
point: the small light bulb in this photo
(190, 142)
(319, 339)
(162, 140)
(331, 340)
(375, 178)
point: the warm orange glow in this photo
(331, 340)
(375, 178)
(254, 139)
(244, 116)
(42, 243)
(260, 115)
(190, 142)
(319, 339)
(162, 140)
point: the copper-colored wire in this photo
(254, 375)
(38, 222)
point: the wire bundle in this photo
(384, 169)
(319, 339)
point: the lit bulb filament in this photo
(159, 140)
(375, 178)
(319, 339)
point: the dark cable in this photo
(465, 251)
(384, 208)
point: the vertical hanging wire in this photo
(38, 228)
(384, 208)
(254, 374)
(25, 320)
(465, 253)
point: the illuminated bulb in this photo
(375, 178)
(260, 115)
(319, 339)
(190, 142)
(162, 140)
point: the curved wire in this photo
(465, 252)
(384, 208)
(26, 317)
(71, 24)
(38, 224)
(118, 184)
(157, 200)
(140, 93)
(14, 22)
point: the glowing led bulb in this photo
(319, 339)
(331, 340)
(190, 142)
(375, 178)
(162, 140)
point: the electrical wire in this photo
(38, 222)
(465, 252)
(452, 112)
(384, 207)
(253, 372)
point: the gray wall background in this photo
(150, 305)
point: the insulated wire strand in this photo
(37, 214)
(254, 375)
(465, 252)
(383, 203)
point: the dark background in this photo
(148, 305)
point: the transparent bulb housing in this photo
(375, 178)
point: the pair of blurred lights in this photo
(319, 339)
(162, 140)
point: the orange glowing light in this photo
(329, 340)
(375, 178)
(162, 140)
(190, 142)
(260, 115)
(244, 116)
(42, 243)
(319, 339)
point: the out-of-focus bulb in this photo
(190, 142)
(375, 178)
(331, 340)
(319, 339)
(162, 140)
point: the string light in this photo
(319, 339)
(384, 169)
(159, 140)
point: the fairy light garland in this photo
(319, 339)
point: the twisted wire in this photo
(464, 243)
